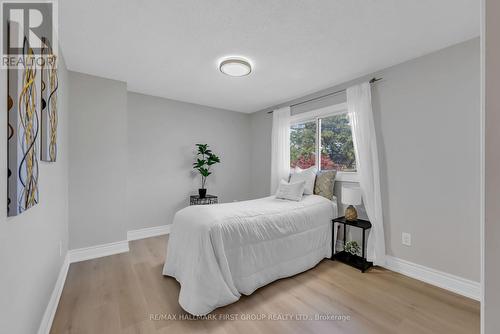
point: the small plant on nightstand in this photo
(204, 165)
(352, 247)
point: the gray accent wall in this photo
(162, 135)
(427, 119)
(261, 124)
(491, 59)
(131, 158)
(98, 160)
(30, 254)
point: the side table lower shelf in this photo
(353, 260)
(356, 261)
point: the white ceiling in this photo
(170, 48)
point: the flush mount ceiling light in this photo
(235, 67)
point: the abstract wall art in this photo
(23, 132)
(49, 85)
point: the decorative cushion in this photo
(290, 191)
(308, 175)
(324, 183)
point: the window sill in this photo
(347, 177)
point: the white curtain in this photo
(365, 145)
(280, 147)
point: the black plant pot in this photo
(202, 193)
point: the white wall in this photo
(29, 243)
(491, 302)
(161, 149)
(98, 160)
(427, 119)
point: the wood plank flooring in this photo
(127, 294)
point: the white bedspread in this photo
(218, 252)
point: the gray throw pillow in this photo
(324, 183)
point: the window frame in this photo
(316, 115)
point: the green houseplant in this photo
(352, 248)
(204, 162)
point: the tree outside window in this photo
(336, 151)
(303, 145)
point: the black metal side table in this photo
(356, 261)
(208, 199)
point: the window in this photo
(337, 148)
(303, 144)
(323, 138)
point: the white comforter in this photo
(218, 252)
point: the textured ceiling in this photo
(171, 48)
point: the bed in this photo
(218, 252)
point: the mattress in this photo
(219, 252)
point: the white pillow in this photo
(308, 175)
(290, 191)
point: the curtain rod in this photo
(373, 80)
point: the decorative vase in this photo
(202, 192)
(351, 214)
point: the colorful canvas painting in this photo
(49, 85)
(23, 132)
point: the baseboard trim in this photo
(148, 232)
(93, 252)
(459, 285)
(50, 310)
(88, 253)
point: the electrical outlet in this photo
(406, 239)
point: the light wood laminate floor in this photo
(127, 293)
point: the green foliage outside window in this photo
(337, 149)
(303, 145)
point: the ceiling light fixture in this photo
(235, 67)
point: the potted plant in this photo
(352, 248)
(204, 162)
